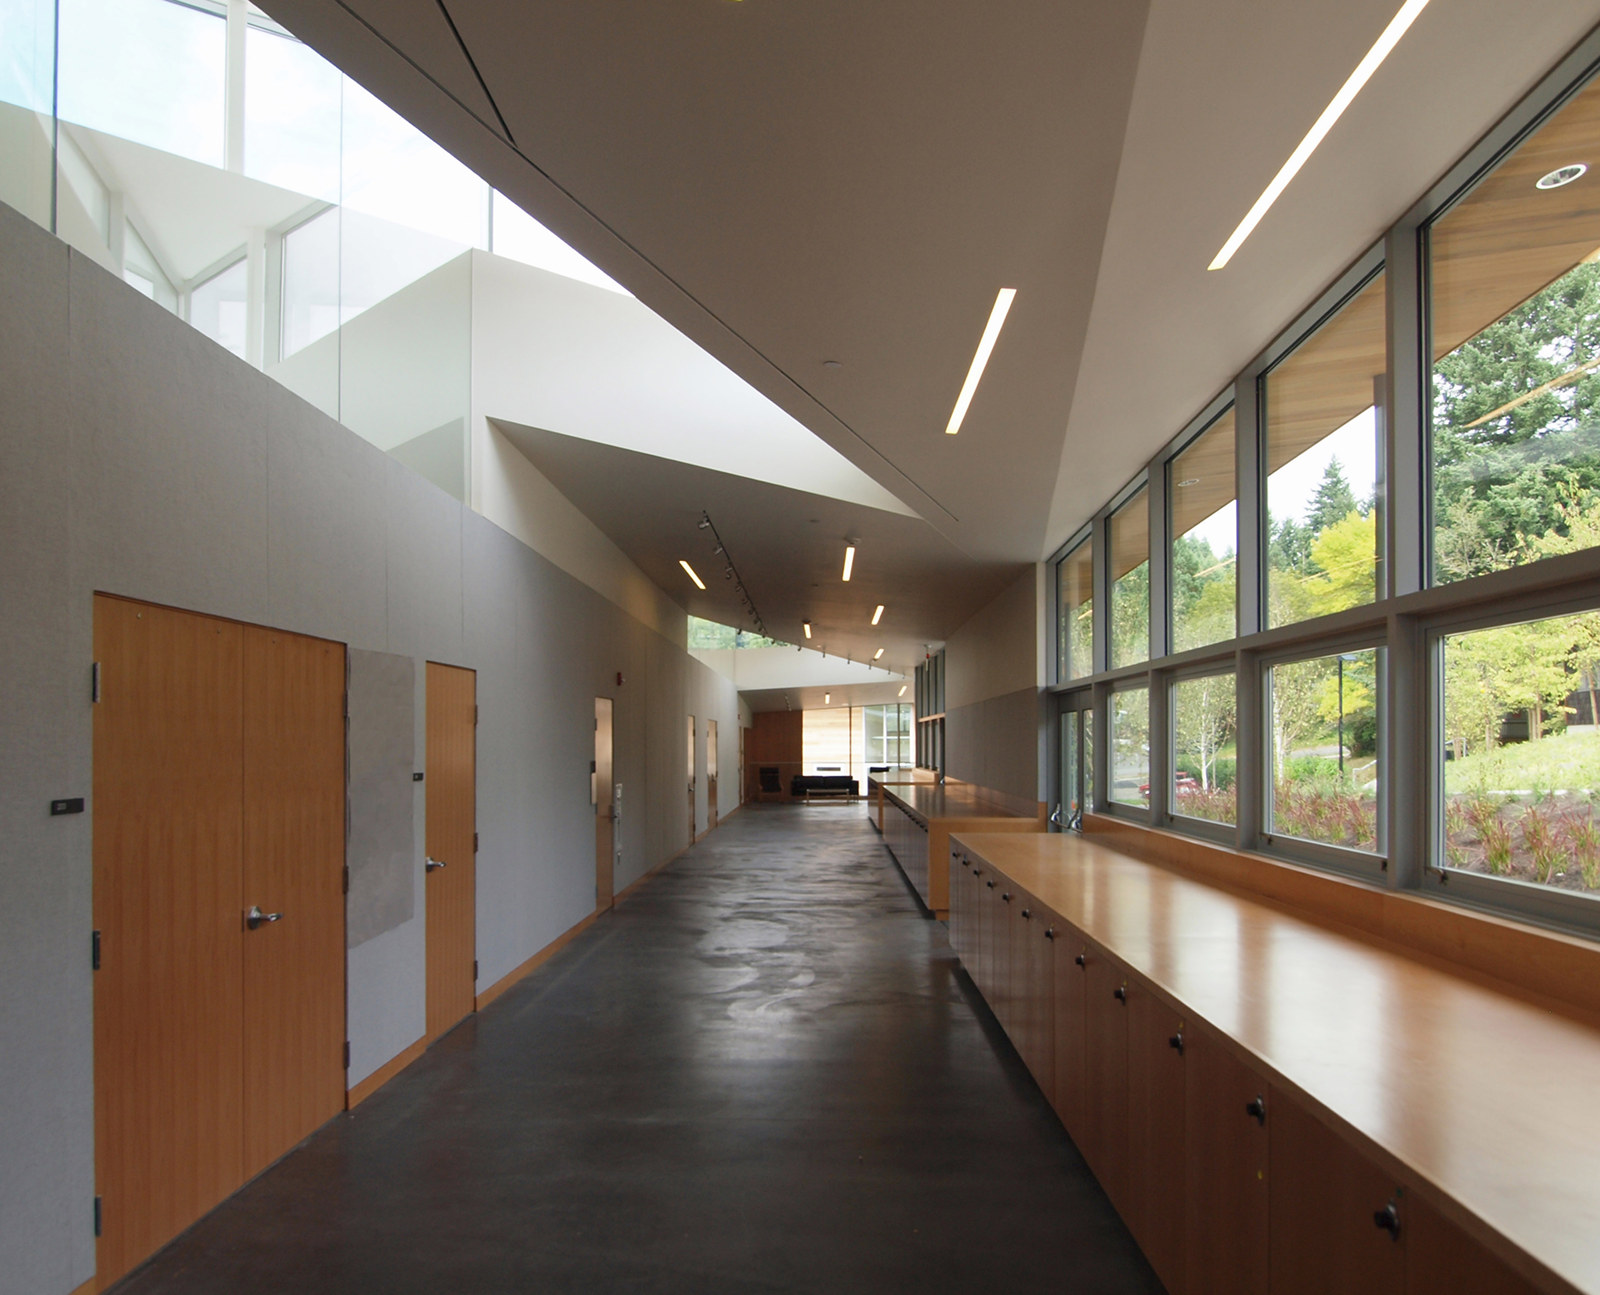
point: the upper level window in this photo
(1075, 613)
(1322, 460)
(1205, 521)
(1515, 318)
(1130, 581)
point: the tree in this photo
(1345, 559)
(1334, 500)
(1204, 716)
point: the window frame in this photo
(1106, 758)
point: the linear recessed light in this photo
(877, 615)
(1398, 26)
(699, 583)
(991, 332)
(806, 626)
(849, 559)
(826, 698)
(902, 691)
(877, 654)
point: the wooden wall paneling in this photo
(1324, 1199)
(1105, 1123)
(1441, 1259)
(451, 839)
(294, 857)
(1225, 1248)
(167, 1030)
(1070, 1034)
(1157, 1085)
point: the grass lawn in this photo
(1567, 762)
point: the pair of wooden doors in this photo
(219, 838)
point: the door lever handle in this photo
(254, 917)
(432, 865)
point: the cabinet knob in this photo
(1257, 1109)
(1049, 932)
(1005, 896)
(1388, 1220)
(1120, 993)
(1176, 1043)
(1026, 914)
(1080, 960)
(989, 884)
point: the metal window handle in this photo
(432, 865)
(254, 917)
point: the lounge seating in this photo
(804, 786)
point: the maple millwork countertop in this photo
(1485, 1102)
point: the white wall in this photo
(139, 458)
(994, 694)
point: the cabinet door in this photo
(1005, 921)
(1038, 977)
(1069, 1031)
(1441, 1259)
(1105, 1141)
(1326, 1198)
(1156, 1091)
(1225, 1172)
(983, 915)
(957, 869)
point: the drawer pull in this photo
(1388, 1220)
(1120, 993)
(1257, 1109)
(1176, 1043)
(1080, 960)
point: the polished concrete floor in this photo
(763, 1072)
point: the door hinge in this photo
(94, 682)
(97, 1214)
(474, 843)
(474, 717)
(347, 1054)
(347, 703)
(347, 879)
(94, 952)
(474, 971)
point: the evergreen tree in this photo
(1334, 500)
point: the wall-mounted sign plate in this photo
(71, 805)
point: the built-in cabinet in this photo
(917, 819)
(1230, 1185)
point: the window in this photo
(1324, 759)
(310, 281)
(1204, 748)
(1130, 581)
(291, 115)
(1515, 319)
(1075, 613)
(1322, 460)
(146, 70)
(887, 735)
(1520, 752)
(1130, 747)
(1205, 523)
(217, 307)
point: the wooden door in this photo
(1325, 1199)
(168, 1046)
(711, 774)
(1105, 1108)
(691, 779)
(452, 843)
(1225, 1171)
(1157, 1083)
(604, 817)
(1070, 1037)
(294, 967)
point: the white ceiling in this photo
(789, 184)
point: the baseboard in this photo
(634, 885)
(383, 1074)
(534, 963)
(89, 1287)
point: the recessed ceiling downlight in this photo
(1189, 481)
(1562, 175)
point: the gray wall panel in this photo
(382, 850)
(46, 1148)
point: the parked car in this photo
(1183, 784)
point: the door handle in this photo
(432, 865)
(254, 917)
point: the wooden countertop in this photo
(929, 801)
(1490, 1100)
